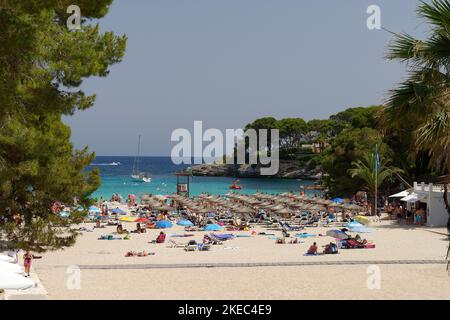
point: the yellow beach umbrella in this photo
(127, 219)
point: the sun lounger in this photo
(174, 244)
(212, 239)
(224, 236)
(292, 228)
(203, 246)
(191, 246)
(194, 228)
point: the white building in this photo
(433, 197)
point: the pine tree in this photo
(42, 65)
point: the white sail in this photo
(136, 175)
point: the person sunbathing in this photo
(359, 240)
(161, 238)
(330, 248)
(313, 249)
(138, 228)
(136, 254)
(120, 229)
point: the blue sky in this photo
(228, 62)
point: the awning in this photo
(401, 194)
(413, 197)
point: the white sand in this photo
(294, 282)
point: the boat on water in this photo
(137, 175)
(235, 185)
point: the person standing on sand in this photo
(27, 258)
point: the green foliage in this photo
(419, 107)
(347, 147)
(365, 169)
(42, 64)
(355, 118)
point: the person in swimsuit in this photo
(312, 249)
(27, 258)
(161, 238)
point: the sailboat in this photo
(136, 175)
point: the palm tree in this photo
(423, 100)
(366, 170)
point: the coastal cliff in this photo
(287, 170)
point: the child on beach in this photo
(27, 258)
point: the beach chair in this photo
(292, 228)
(174, 244)
(204, 246)
(211, 238)
(191, 246)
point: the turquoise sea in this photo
(116, 170)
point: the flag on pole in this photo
(377, 159)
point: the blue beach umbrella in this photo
(164, 224)
(360, 229)
(212, 227)
(185, 223)
(94, 209)
(118, 211)
(64, 214)
(338, 200)
(337, 234)
(354, 224)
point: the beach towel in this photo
(224, 236)
(86, 229)
(109, 237)
(305, 235)
(312, 254)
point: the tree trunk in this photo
(447, 206)
(372, 204)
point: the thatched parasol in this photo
(352, 207)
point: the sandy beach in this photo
(410, 261)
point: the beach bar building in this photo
(431, 196)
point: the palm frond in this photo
(434, 136)
(405, 47)
(437, 13)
